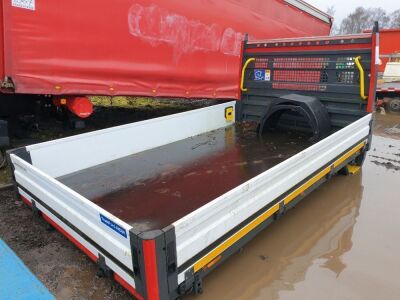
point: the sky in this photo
(345, 7)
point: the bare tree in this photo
(380, 15)
(395, 19)
(331, 10)
(364, 18)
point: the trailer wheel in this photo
(394, 105)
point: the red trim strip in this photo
(127, 286)
(70, 237)
(92, 256)
(372, 81)
(150, 262)
(313, 39)
(263, 49)
(26, 201)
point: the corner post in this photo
(154, 263)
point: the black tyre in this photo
(394, 105)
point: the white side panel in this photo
(77, 210)
(68, 155)
(82, 241)
(204, 226)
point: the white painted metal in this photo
(392, 72)
(304, 6)
(207, 224)
(82, 241)
(68, 155)
(80, 212)
(195, 231)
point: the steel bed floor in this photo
(152, 189)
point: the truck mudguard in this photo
(310, 108)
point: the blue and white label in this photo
(114, 226)
(262, 75)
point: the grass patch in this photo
(139, 102)
(5, 176)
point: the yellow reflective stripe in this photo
(307, 185)
(323, 173)
(349, 154)
(234, 238)
(253, 224)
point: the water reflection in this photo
(152, 189)
(319, 231)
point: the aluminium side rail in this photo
(169, 262)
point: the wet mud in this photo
(340, 242)
(153, 189)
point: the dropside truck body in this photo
(159, 204)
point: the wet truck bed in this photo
(152, 189)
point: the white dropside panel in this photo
(68, 155)
(204, 226)
(100, 226)
(81, 240)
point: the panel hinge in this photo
(35, 210)
(198, 285)
(192, 283)
(104, 270)
(282, 210)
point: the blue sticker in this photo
(118, 229)
(262, 75)
(259, 75)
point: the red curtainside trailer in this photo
(170, 48)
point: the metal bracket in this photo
(351, 169)
(282, 210)
(198, 285)
(192, 283)
(104, 270)
(135, 261)
(35, 210)
(331, 172)
(188, 284)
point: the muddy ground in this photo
(341, 242)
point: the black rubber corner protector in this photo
(21, 153)
(164, 265)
